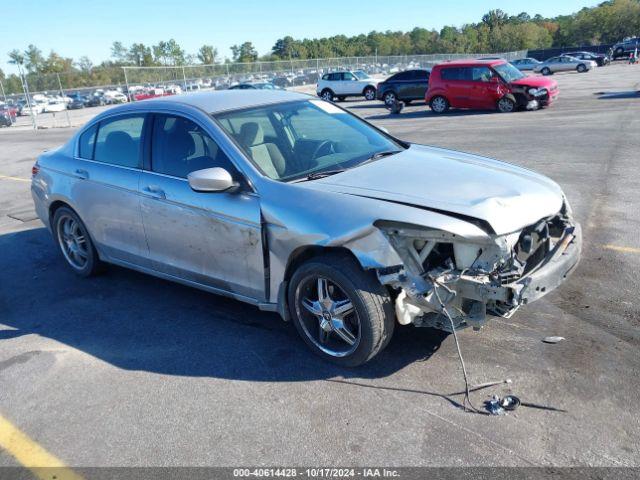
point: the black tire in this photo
(619, 52)
(341, 98)
(93, 264)
(407, 102)
(369, 93)
(373, 309)
(389, 98)
(437, 106)
(581, 68)
(327, 94)
(506, 105)
(545, 71)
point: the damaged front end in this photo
(472, 281)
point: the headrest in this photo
(251, 134)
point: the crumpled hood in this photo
(505, 196)
(537, 82)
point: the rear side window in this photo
(119, 141)
(87, 142)
(452, 73)
(403, 76)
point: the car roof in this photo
(223, 100)
(471, 62)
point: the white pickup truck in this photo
(345, 84)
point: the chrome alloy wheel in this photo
(327, 316)
(73, 242)
(439, 104)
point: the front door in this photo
(485, 87)
(213, 239)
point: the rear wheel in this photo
(327, 95)
(74, 242)
(546, 71)
(619, 52)
(370, 93)
(341, 312)
(439, 104)
(506, 105)
(389, 98)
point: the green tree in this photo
(119, 53)
(244, 53)
(34, 61)
(84, 64)
(207, 54)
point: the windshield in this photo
(508, 72)
(361, 74)
(290, 141)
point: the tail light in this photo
(35, 170)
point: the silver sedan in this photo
(564, 63)
(294, 205)
(523, 64)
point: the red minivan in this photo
(487, 85)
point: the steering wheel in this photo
(326, 144)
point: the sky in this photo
(74, 28)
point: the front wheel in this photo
(581, 68)
(506, 105)
(341, 312)
(439, 104)
(389, 98)
(370, 93)
(546, 71)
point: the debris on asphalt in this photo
(493, 406)
(499, 406)
(552, 339)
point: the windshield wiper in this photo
(325, 173)
(379, 155)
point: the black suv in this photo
(405, 86)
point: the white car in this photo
(55, 105)
(564, 64)
(346, 84)
(113, 96)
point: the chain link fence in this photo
(284, 73)
(47, 96)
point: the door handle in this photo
(81, 174)
(154, 192)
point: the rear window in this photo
(452, 73)
(87, 142)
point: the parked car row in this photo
(484, 83)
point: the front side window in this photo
(314, 136)
(348, 76)
(179, 147)
(481, 74)
(119, 141)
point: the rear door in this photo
(458, 86)
(212, 239)
(402, 84)
(105, 194)
(419, 84)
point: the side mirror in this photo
(211, 180)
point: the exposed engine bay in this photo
(473, 281)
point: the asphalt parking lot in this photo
(129, 370)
